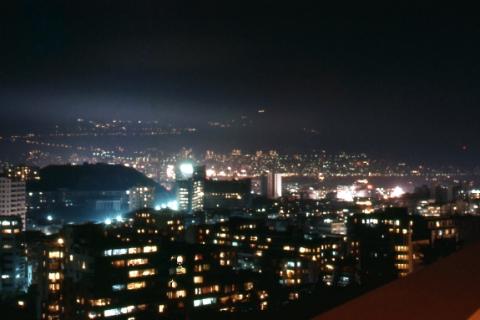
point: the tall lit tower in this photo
(271, 185)
(190, 182)
(12, 198)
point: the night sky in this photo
(384, 79)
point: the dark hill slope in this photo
(90, 177)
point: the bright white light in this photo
(49, 218)
(173, 205)
(119, 218)
(157, 208)
(211, 173)
(345, 194)
(397, 192)
(186, 169)
(108, 221)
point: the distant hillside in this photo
(90, 177)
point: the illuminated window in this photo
(402, 266)
(198, 279)
(134, 250)
(55, 254)
(100, 302)
(181, 270)
(148, 249)
(204, 302)
(118, 287)
(118, 311)
(136, 262)
(141, 273)
(198, 268)
(118, 263)
(402, 257)
(136, 285)
(54, 276)
(177, 294)
(172, 284)
(115, 252)
(54, 287)
(54, 308)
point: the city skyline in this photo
(127, 138)
(222, 160)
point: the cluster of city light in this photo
(346, 194)
(172, 205)
(397, 192)
(362, 189)
(118, 218)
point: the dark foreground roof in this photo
(448, 289)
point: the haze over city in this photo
(392, 80)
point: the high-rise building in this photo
(271, 185)
(190, 181)
(13, 275)
(54, 263)
(12, 198)
(141, 198)
(227, 194)
(384, 240)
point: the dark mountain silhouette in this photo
(90, 177)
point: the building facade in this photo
(190, 186)
(271, 185)
(141, 198)
(13, 263)
(12, 198)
